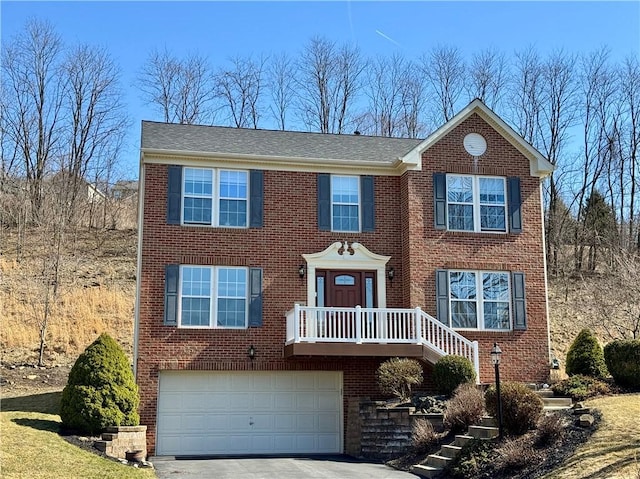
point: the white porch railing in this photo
(377, 325)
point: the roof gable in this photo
(539, 165)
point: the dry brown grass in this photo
(614, 449)
(96, 294)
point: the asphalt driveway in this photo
(325, 467)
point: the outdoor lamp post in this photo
(496, 352)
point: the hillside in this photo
(97, 289)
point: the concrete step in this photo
(483, 432)
(489, 421)
(450, 450)
(101, 445)
(545, 393)
(462, 439)
(109, 436)
(557, 403)
(436, 460)
(424, 470)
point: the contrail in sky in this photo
(388, 38)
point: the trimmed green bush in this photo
(521, 407)
(580, 387)
(585, 356)
(101, 390)
(451, 371)
(397, 376)
(623, 362)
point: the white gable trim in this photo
(342, 256)
(539, 165)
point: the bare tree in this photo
(33, 94)
(444, 69)
(414, 98)
(557, 114)
(488, 77)
(525, 95)
(281, 82)
(240, 86)
(598, 87)
(179, 89)
(383, 88)
(629, 176)
(94, 117)
(328, 83)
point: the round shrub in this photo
(585, 356)
(101, 390)
(398, 375)
(623, 362)
(451, 371)
(580, 387)
(521, 407)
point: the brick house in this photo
(277, 270)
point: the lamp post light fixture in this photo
(496, 352)
(301, 271)
(252, 352)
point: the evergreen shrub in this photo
(451, 371)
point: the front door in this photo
(344, 289)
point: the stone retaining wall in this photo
(382, 432)
(118, 440)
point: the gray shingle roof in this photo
(273, 143)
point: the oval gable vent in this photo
(475, 144)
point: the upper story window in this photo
(345, 203)
(213, 297)
(215, 197)
(479, 300)
(476, 203)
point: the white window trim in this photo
(213, 297)
(475, 191)
(215, 199)
(480, 300)
(349, 204)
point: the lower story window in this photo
(479, 300)
(213, 297)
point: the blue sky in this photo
(130, 30)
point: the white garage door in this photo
(249, 412)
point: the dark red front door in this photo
(345, 289)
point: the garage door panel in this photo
(205, 412)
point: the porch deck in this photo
(329, 331)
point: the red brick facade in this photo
(403, 230)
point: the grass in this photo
(31, 446)
(614, 449)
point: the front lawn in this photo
(31, 446)
(613, 451)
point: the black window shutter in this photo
(515, 201)
(519, 302)
(256, 195)
(368, 203)
(171, 273)
(174, 192)
(324, 201)
(442, 296)
(255, 297)
(440, 200)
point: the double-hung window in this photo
(479, 300)
(345, 203)
(213, 297)
(215, 197)
(476, 203)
